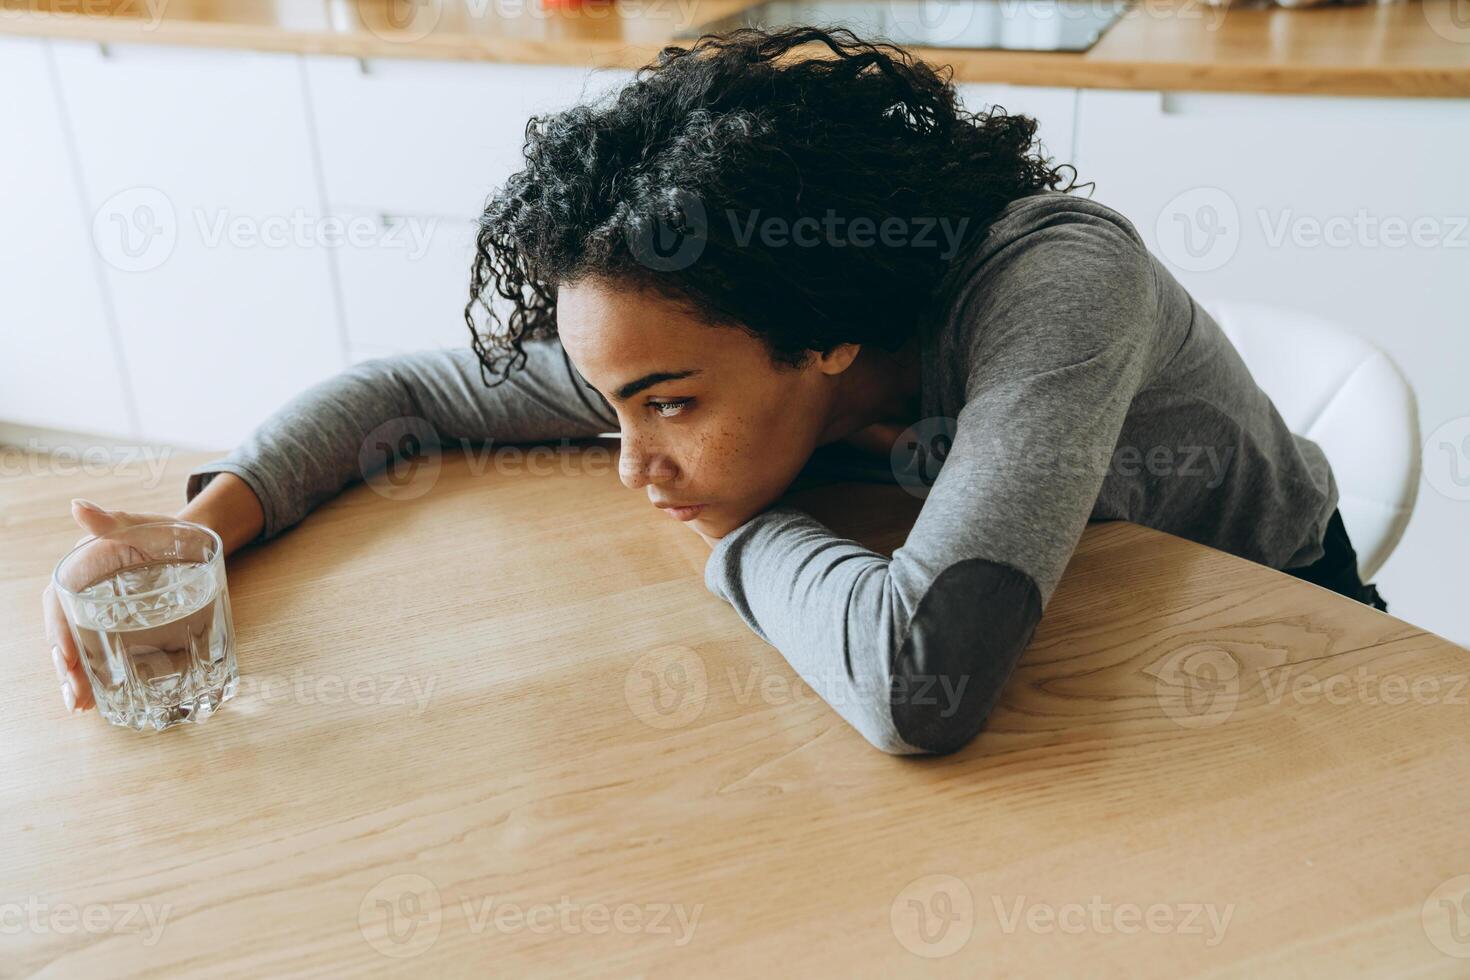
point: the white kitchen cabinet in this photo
(405, 287)
(1055, 111)
(418, 146)
(432, 137)
(1352, 209)
(203, 199)
(59, 363)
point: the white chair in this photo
(1348, 397)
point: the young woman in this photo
(757, 262)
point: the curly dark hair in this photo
(743, 124)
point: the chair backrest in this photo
(1348, 397)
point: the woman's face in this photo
(705, 417)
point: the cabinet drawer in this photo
(420, 137)
(406, 289)
(1227, 187)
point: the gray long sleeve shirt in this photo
(1070, 378)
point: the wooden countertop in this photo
(502, 721)
(1405, 48)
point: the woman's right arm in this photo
(350, 425)
(326, 437)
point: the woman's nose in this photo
(639, 466)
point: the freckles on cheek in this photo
(717, 455)
(713, 451)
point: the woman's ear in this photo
(838, 359)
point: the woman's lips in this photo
(684, 513)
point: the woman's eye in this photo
(669, 409)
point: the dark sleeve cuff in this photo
(963, 642)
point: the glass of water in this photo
(149, 610)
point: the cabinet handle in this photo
(1313, 110)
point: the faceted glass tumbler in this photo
(149, 611)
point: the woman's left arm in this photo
(914, 650)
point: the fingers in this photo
(94, 518)
(76, 691)
(97, 520)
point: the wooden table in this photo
(502, 726)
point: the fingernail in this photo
(69, 697)
(88, 504)
(62, 670)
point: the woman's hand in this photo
(76, 691)
(226, 505)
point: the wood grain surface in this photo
(498, 726)
(1405, 48)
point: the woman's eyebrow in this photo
(647, 381)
